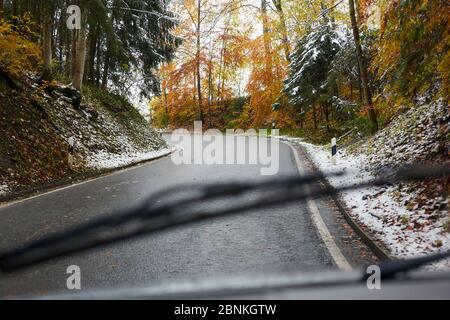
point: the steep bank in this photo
(409, 219)
(50, 131)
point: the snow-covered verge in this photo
(420, 134)
(52, 132)
(409, 219)
(106, 160)
(119, 142)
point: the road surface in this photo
(270, 239)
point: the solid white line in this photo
(325, 234)
(11, 203)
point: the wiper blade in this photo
(146, 218)
(152, 216)
(391, 269)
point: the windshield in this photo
(145, 141)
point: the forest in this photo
(117, 44)
(314, 68)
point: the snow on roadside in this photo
(3, 189)
(379, 208)
(107, 160)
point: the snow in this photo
(3, 189)
(311, 50)
(107, 160)
(381, 209)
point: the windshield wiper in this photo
(157, 213)
(390, 269)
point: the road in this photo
(270, 239)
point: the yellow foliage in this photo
(265, 85)
(176, 107)
(18, 53)
(412, 54)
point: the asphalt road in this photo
(271, 239)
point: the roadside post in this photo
(333, 151)
(70, 152)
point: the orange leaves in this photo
(265, 83)
(176, 107)
(236, 50)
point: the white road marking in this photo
(11, 203)
(325, 234)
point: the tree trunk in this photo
(314, 116)
(164, 88)
(92, 52)
(284, 33)
(98, 65)
(47, 43)
(106, 68)
(69, 54)
(266, 36)
(15, 8)
(61, 40)
(80, 56)
(199, 82)
(358, 13)
(210, 88)
(363, 70)
(221, 80)
(1, 9)
(325, 111)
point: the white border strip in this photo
(325, 234)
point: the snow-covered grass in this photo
(382, 210)
(107, 160)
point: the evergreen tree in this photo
(120, 41)
(310, 65)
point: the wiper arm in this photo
(151, 217)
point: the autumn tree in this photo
(19, 52)
(413, 50)
(47, 28)
(367, 94)
(283, 27)
(120, 42)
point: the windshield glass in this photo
(145, 141)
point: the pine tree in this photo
(310, 65)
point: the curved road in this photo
(280, 238)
